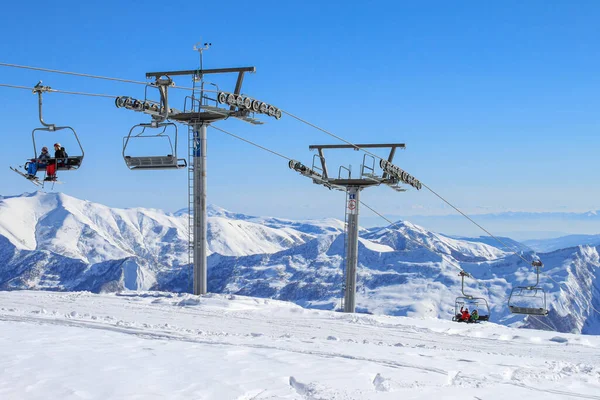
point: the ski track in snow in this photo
(270, 350)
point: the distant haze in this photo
(516, 225)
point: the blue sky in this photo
(497, 103)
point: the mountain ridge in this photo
(57, 242)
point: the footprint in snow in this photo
(316, 391)
(382, 384)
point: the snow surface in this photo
(55, 242)
(153, 345)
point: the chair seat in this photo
(155, 162)
(528, 310)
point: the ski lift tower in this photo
(200, 110)
(392, 176)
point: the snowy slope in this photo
(313, 227)
(56, 242)
(93, 233)
(166, 346)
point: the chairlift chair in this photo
(471, 302)
(534, 297)
(66, 164)
(154, 162)
(160, 112)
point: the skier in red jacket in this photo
(465, 314)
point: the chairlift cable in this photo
(479, 283)
(436, 253)
(60, 91)
(108, 78)
(15, 86)
(470, 219)
(330, 134)
(543, 323)
(83, 93)
(56, 71)
(411, 239)
(250, 142)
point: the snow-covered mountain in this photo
(57, 242)
(54, 241)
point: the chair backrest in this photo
(69, 163)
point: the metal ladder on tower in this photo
(191, 147)
(344, 255)
(345, 238)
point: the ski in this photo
(35, 181)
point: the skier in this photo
(474, 316)
(40, 162)
(465, 314)
(60, 158)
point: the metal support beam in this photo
(323, 164)
(200, 217)
(390, 159)
(352, 248)
(350, 146)
(238, 87)
(199, 71)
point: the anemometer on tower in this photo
(199, 111)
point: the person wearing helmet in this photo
(36, 163)
(60, 158)
(465, 314)
(474, 316)
(59, 152)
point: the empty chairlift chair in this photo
(529, 300)
(154, 130)
(471, 302)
